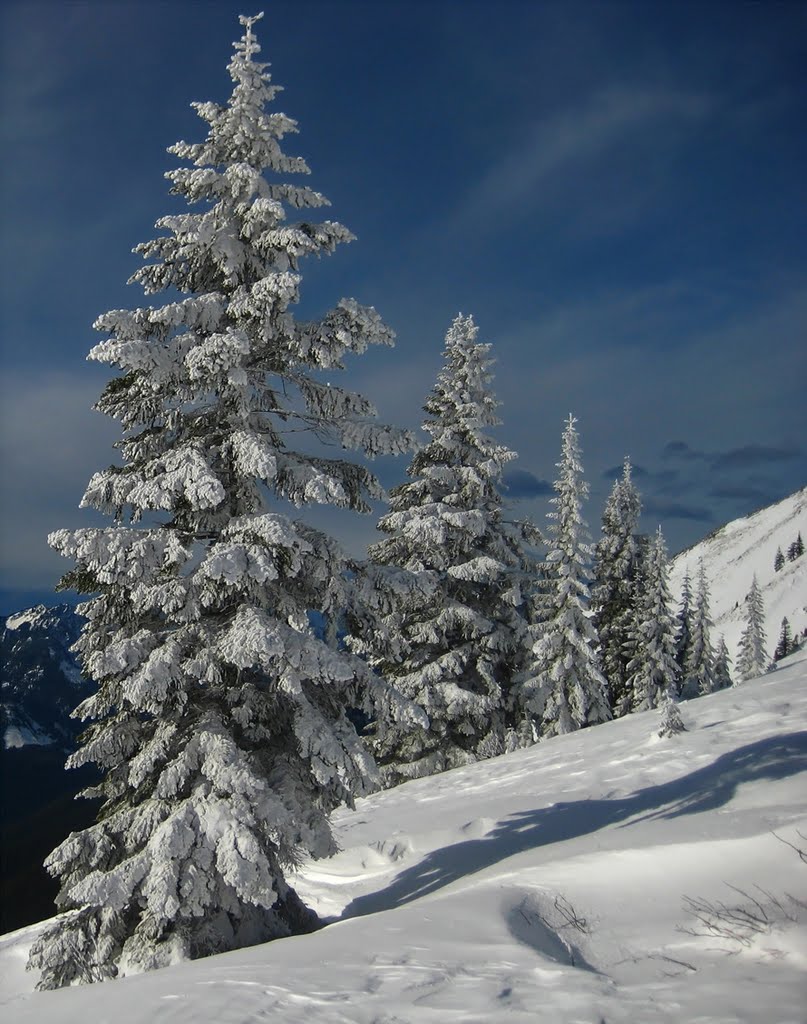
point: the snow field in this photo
(545, 885)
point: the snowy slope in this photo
(731, 556)
(546, 885)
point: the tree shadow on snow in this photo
(702, 790)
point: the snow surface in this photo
(731, 556)
(457, 895)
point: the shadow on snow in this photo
(702, 790)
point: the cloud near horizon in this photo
(521, 483)
(747, 457)
(676, 510)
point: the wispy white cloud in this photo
(547, 167)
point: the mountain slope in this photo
(731, 556)
(547, 885)
(41, 685)
(41, 681)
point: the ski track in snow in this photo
(545, 885)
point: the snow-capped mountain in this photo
(41, 681)
(732, 555)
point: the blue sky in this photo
(615, 191)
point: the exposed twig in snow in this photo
(802, 853)
(570, 916)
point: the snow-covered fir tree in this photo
(456, 651)
(778, 560)
(722, 665)
(653, 671)
(683, 628)
(219, 723)
(616, 562)
(566, 676)
(752, 659)
(699, 669)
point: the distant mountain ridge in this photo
(41, 685)
(734, 553)
(41, 679)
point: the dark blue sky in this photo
(614, 190)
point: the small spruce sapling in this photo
(671, 720)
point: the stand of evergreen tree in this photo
(566, 679)
(458, 651)
(615, 571)
(752, 659)
(219, 723)
(652, 673)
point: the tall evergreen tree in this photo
(752, 660)
(219, 723)
(616, 562)
(631, 647)
(566, 670)
(455, 652)
(779, 560)
(653, 671)
(683, 632)
(699, 671)
(785, 645)
(722, 665)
